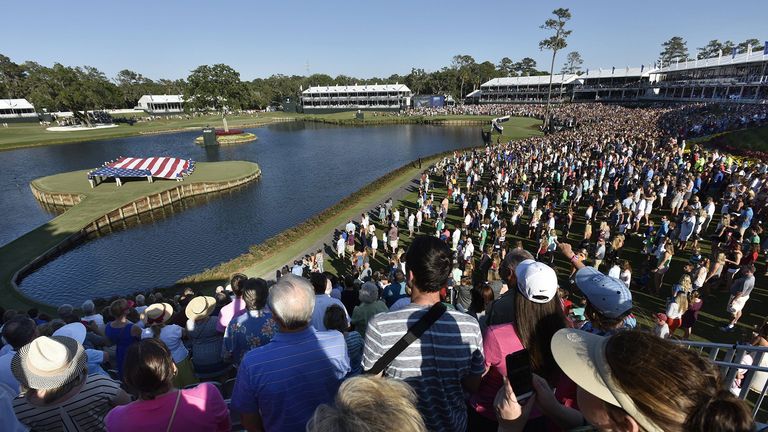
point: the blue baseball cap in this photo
(608, 295)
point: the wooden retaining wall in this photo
(105, 222)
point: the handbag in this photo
(414, 332)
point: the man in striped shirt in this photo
(447, 359)
(280, 384)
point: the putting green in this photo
(94, 206)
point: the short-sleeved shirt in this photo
(322, 303)
(83, 412)
(288, 378)
(434, 365)
(230, 311)
(170, 335)
(201, 408)
(248, 331)
(743, 285)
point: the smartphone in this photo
(519, 374)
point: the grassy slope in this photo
(99, 201)
(749, 139)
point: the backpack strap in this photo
(414, 332)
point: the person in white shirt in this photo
(661, 329)
(710, 208)
(88, 308)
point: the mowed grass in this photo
(18, 135)
(747, 139)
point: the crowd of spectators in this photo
(457, 294)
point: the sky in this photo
(169, 38)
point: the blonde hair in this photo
(369, 404)
(685, 283)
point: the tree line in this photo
(69, 88)
(676, 49)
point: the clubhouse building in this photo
(161, 104)
(741, 78)
(16, 110)
(372, 97)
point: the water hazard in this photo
(306, 168)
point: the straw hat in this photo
(158, 313)
(200, 307)
(49, 362)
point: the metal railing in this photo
(730, 359)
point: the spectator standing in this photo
(740, 292)
(59, 392)
(17, 332)
(156, 317)
(237, 306)
(369, 306)
(336, 319)
(280, 384)
(120, 331)
(323, 300)
(448, 357)
(396, 290)
(149, 371)
(252, 329)
(204, 339)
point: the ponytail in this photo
(723, 412)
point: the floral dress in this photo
(247, 331)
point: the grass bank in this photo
(94, 204)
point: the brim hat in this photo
(200, 307)
(536, 281)
(48, 363)
(608, 295)
(581, 356)
(158, 313)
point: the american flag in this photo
(160, 167)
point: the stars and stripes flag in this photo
(160, 167)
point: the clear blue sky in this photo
(168, 38)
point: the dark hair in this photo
(694, 402)
(149, 368)
(536, 323)
(237, 281)
(430, 261)
(332, 277)
(255, 293)
(19, 331)
(481, 295)
(600, 321)
(319, 282)
(335, 319)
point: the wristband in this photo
(574, 258)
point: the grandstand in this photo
(161, 104)
(16, 110)
(740, 77)
(376, 97)
(623, 84)
(528, 89)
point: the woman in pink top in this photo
(538, 315)
(149, 371)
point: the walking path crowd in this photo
(408, 323)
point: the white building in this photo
(17, 109)
(161, 104)
(738, 78)
(532, 89)
(614, 84)
(375, 97)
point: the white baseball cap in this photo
(536, 281)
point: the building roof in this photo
(530, 80)
(358, 88)
(162, 98)
(15, 104)
(755, 56)
(617, 72)
(474, 94)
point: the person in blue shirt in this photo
(279, 385)
(396, 290)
